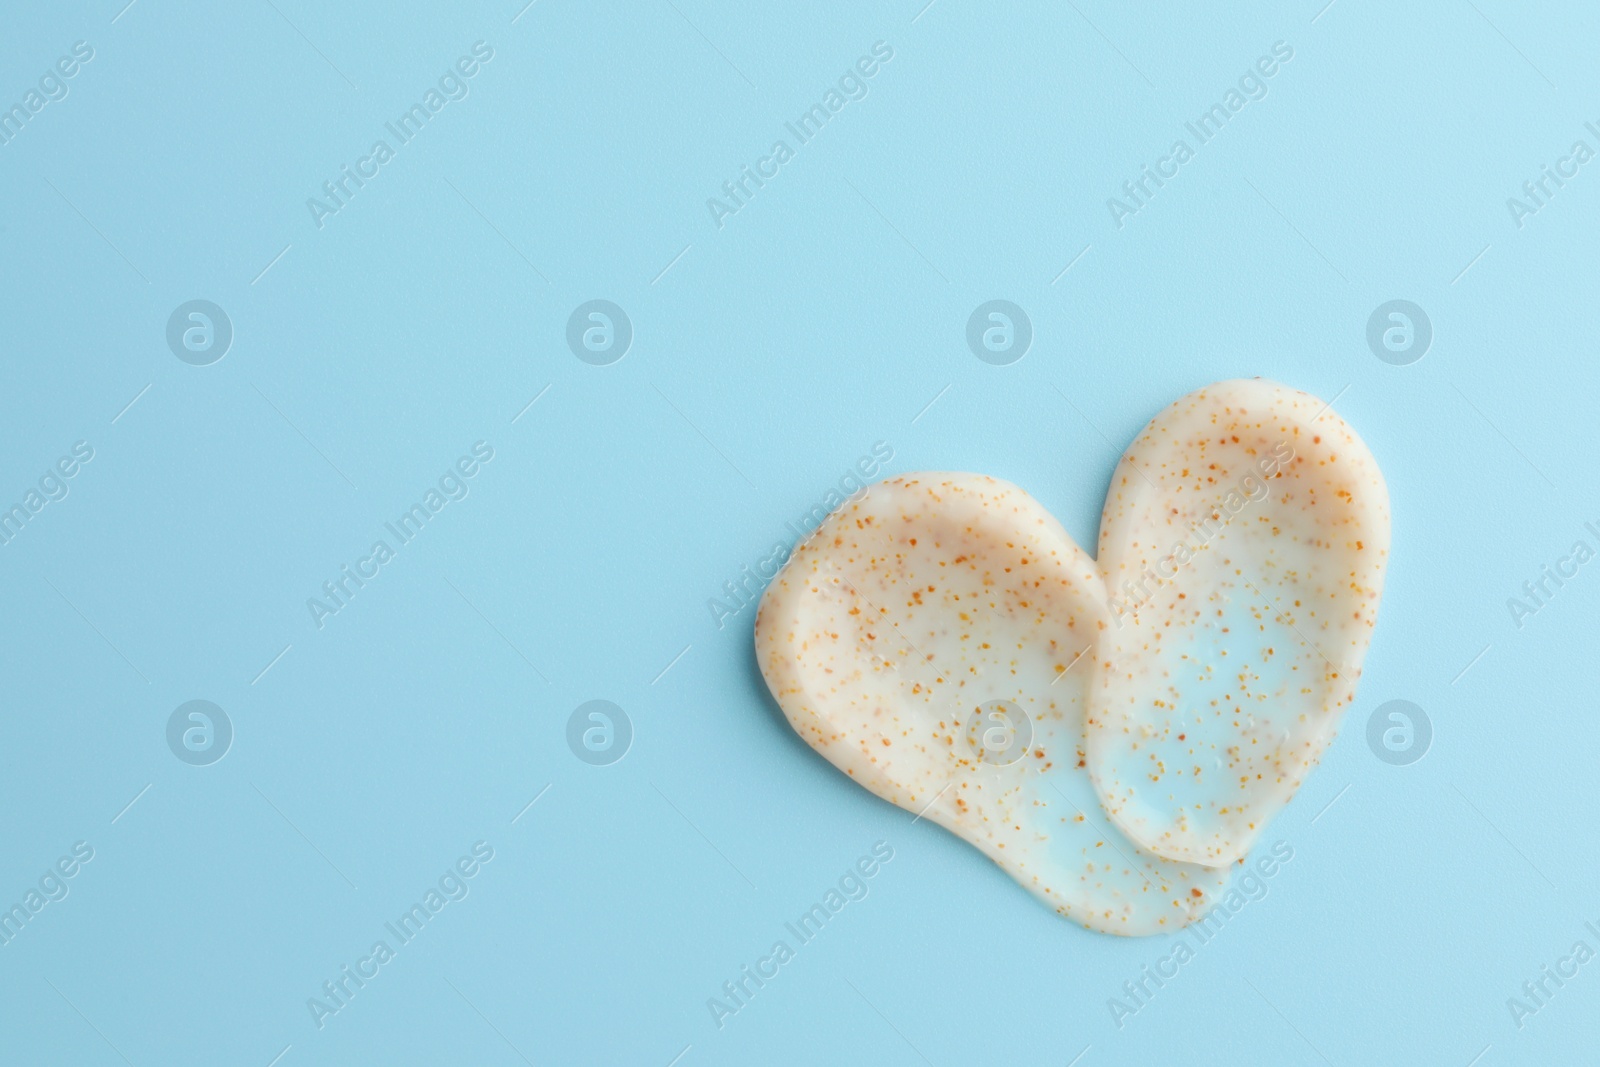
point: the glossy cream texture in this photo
(924, 598)
(1178, 691)
(1244, 542)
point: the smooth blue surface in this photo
(768, 355)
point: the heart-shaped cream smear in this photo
(944, 642)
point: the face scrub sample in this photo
(1114, 735)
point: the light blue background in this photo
(773, 353)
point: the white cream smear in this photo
(945, 643)
(1219, 691)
